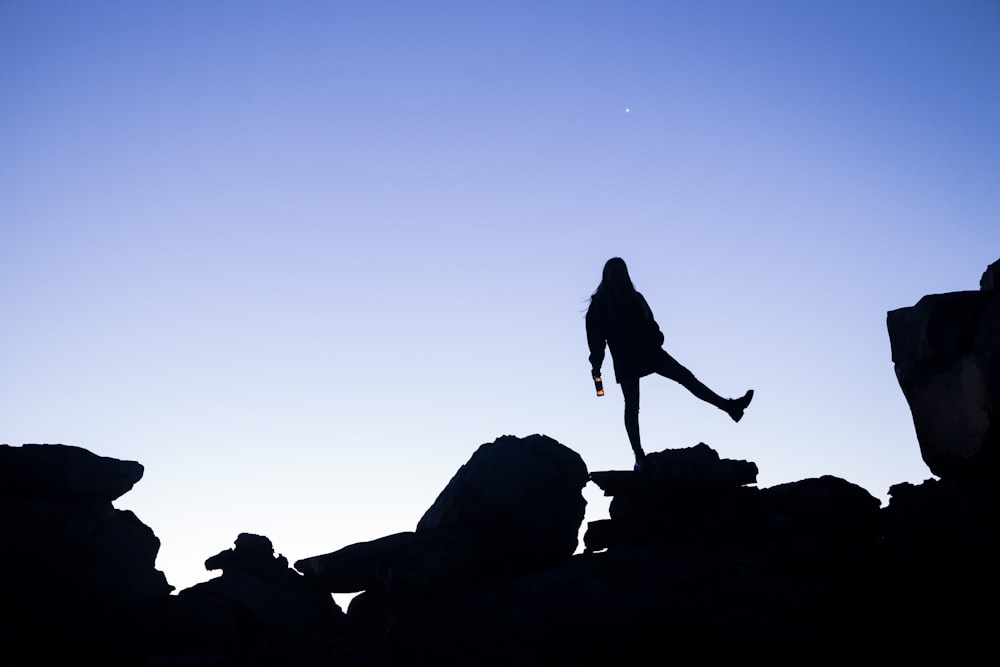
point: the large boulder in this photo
(946, 351)
(515, 507)
(522, 494)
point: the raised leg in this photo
(670, 368)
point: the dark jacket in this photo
(628, 328)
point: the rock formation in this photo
(645, 510)
(946, 351)
(259, 611)
(514, 508)
(73, 569)
(694, 564)
(691, 496)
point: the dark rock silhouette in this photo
(258, 611)
(691, 496)
(687, 495)
(695, 563)
(942, 542)
(74, 569)
(515, 507)
(946, 351)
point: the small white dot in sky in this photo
(627, 109)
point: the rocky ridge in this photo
(695, 562)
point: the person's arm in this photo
(596, 340)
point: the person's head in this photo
(615, 277)
(616, 273)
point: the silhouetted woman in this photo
(620, 318)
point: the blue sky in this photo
(300, 259)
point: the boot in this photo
(738, 405)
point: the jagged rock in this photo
(258, 611)
(946, 351)
(691, 468)
(72, 567)
(253, 554)
(56, 470)
(689, 495)
(253, 564)
(515, 507)
(990, 280)
(58, 521)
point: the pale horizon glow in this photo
(301, 259)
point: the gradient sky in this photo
(300, 259)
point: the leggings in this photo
(668, 367)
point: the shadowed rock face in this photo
(688, 496)
(70, 561)
(691, 496)
(64, 470)
(525, 493)
(516, 506)
(946, 351)
(256, 596)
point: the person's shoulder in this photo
(596, 304)
(643, 302)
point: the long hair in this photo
(620, 298)
(606, 287)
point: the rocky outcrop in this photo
(691, 496)
(696, 563)
(523, 494)
(946, 351)
(687, 496)
(516, 506)
(73, 569)
(259, 611)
